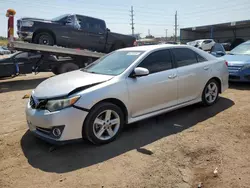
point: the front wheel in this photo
(103, 124)
(210, 93)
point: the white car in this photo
(123, 87)
(205, 44)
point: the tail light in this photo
(226, 63)
(135, 43)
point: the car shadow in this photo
(80, 155)
(18, 85)
(239, 85)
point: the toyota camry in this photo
(125, 86)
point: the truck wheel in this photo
(55, 70)
(67, 67)
(45, 39)
(117, 45)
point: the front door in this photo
(156, 91)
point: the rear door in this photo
(96, 30)
(192, 72)
(156, 91)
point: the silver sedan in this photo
(123, 87)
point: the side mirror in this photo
(108, 30)
(139, 72)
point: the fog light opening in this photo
(56, 132)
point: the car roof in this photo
(153, 47)
(150, 48)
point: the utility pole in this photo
(166, 34)
(132, 20)
(175, 27)
(149, 32)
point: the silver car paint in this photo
(61, 85)
(143, 97)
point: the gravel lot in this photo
(176, 150)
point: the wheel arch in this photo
(118, 103)
(44, 31)
(218, 80)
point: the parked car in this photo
(236, 42)
(144, 42)
(4, 51)
(192, 43)
(25, 63)
(73, 30)
(239, 62)
(171, 42)
(205, 44)
(218, 50)
(227, 46)
(125, 86)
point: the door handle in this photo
(206, 68)
(173, 76)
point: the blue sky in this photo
(157, 15)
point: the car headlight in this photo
(247, 66)
(55, 105)
(27, 23)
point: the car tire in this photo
(67, 67)
(106, 130)
(44, 39)
(55, 70)
(210, 93)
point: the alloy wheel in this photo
(106, 125)
(211, 92)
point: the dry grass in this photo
(3, 42)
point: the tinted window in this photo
(200, 58)
(157, 61)
(184, 56)
(91, 24)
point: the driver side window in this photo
(157, 61)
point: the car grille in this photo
(234, 68)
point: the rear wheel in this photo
(210, 93)
(45, 39)
(103, 124)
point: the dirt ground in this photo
(176, 150)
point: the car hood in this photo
(237, 60)
(35, 19)
(65, 84)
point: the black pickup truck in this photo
(73, 31)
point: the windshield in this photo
(242, 49)
(114, 63)
(58, 18)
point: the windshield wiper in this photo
(231, 53)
